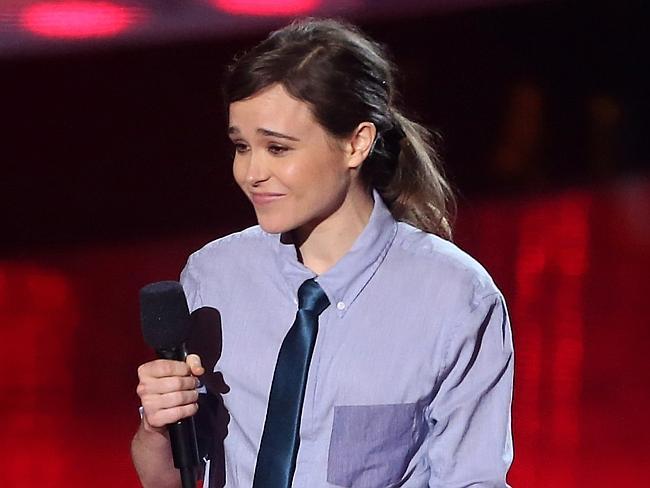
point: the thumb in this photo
(194, 362)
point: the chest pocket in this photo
(371, 445)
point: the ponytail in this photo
(406, 171)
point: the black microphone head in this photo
(164, 315)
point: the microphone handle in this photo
(182, 434)
(188, 478)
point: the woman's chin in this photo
(272, 227)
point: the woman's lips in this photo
(265, 198)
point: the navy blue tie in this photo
(276, 460)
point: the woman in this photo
(401, 373)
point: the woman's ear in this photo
(361, 143)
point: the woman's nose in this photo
(257, 169)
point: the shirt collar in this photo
(345, 280)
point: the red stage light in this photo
(266, 7)
(77, 19)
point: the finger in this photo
(171, 415)
(162, 368)
(194, 363)
(176, 399)
(156, 386)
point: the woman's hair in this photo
(346, 78)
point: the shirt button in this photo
(340, 306)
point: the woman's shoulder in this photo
(234, 249)
(435, 258)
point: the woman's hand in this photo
(168, 391)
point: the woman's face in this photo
(292, 170)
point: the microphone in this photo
(165, 320)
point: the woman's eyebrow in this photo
(234, 131)
(271, 133)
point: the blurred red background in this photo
(574, 268)
(115, 168)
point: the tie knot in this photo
(312, 298)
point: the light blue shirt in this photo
(410, 382)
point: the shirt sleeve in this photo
(191, 284)
(471, 440)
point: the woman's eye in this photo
(240, 147)
(277, 150)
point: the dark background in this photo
(122, 141)
(115, 166)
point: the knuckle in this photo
(142, 370)
(170, 399)
(156, 420)
(149, 405)
(166, 368)
(159, 367)
(188, 397)
(177, 398)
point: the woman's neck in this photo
(321, 246)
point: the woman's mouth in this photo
(265, 198)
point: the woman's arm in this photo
(471, 443)
(152, 457)
(168, 393)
